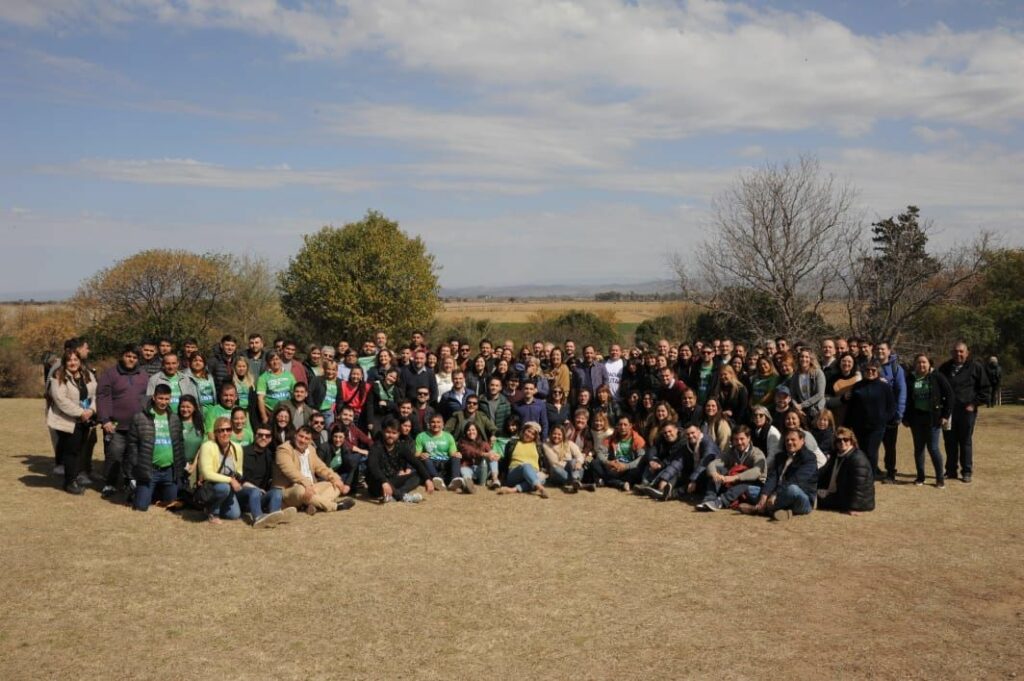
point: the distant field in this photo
(504, 312)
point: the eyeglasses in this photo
(423, 394)
(263, 435)
(843, 439)
(222, 430)
(472, 404)
(316, 423)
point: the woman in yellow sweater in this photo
(220, 467)
(522, 462)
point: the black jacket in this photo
(872, 405)
(141, 438)
(968, 381)
(383, 465)
(258, 466)
(221, 367)
(855, 483)
(941, 398)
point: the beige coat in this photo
(65, 410)
(288, 470)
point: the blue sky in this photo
(525, 141)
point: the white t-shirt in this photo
(307, 472)
(614, 369)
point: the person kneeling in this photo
(846, 482)
(305, 480)
(392, 469)
(792, 481)
(522, 462)
(155, 451)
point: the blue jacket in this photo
(802, 472)
(591, 377)
(894, 375)
(450, 402)
(535, 411)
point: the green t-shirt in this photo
(193, 440)
(624, 451)
(243, 395)
(367, 361)
(245, 439)
(175, 383)
(438, 447)
(163, 449)
(275, 387)
(922, 394)
(761, 386)
(330, 396)
(207, 392)
(211, 414)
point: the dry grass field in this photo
(601, 586)
(522, 311)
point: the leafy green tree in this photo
(351, 281)
(650, 331)
(586, 328)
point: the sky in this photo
(535, 141)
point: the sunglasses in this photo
(222, 430)
(264, 435)
(843, 439)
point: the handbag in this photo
(203, 494)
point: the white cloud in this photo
(193, 173)
(933, 136)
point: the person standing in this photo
(120, 393)
(995, 379)
(70, 412)
(892, 373)
(929, 406)
(971, 388)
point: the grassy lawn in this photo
(594, 586)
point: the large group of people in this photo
(776, 429)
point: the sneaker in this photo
(966, 479)
(493, 484)
(108, 491)
(570, 489)
(75, 488)
(467, 485)
(588, 487)
(58, 470)
(702, 506)
(713, 505)
(941, 484)
(412, 498)
(457, 484)
(655, 493)
(345, 504)
(287, 514)
(83, 479)
(576, 485)
(439, 485)
(268, 520)
(247, 518)
(386, 499)
(626, 487)
(918, 482)
(669, 491)
(888, 481)
(641, 488)
(781, 514)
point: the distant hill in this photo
(41, 296)
(559, 290)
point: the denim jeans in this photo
(925, 435)
(258, 501)
(726, 495)
(225, 502)
(793, 498)
(482, 470)
(959, 442)
(435, 466)
(524, 478)
(562, 475)
(162, 478)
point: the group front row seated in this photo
(310, 470)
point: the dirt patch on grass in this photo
(591, 586)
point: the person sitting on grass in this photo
(392, 470)
(737, 473)
(846, 483)
(440, 454)
(258, 496)
(700, 452)
(521, 462)
(478, 457)
(219, 464)
(665, 463)
(305, 480)
(622, 463)
(155, 451)
(565, 461)
(298, 405)
(791, 484)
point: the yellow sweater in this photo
(208, 460)
(525, 453)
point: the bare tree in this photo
(774, 236)
(892, 280)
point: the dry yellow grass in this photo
(520, 312)
(603, 586)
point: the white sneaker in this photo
(467, 484)
(268, 519)
(457, 484)
(412, 498)
(439, 484)
(58, 470)
(387, 499)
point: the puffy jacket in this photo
(221, 367)
(872, 405)
(141, 438)
(855, 484)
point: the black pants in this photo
(889, 444)
(70, 452)
(400, 484)
(114, 447)
(600, 471)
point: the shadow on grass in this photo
(40, 468)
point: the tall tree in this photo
(350, 281)
(894, 279)
(776, 234)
